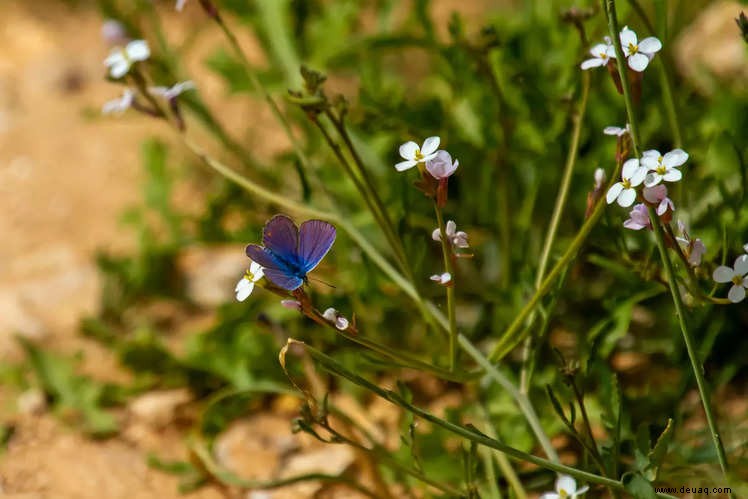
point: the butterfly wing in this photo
(281, 237)
(277, 270)
(315, 240)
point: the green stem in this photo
(698, 370)
(696, 366)
(558, 210)
(449, 268)
(259, 88)
(520, 398)
(373, 193)
(509, 338)
(468, 433)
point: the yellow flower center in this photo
(563, 494)
(602, 55)
(249, 276)
(633, 49)
(737, 280)
(418, 155)
(626, 184)
(661, 169)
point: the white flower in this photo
(455, 238)
(336, 318)
(441, 166)
(632, 175)
(247, 283)
(601, 54)
(616, 130)
(663, 167)
(180, 5)
(413, 155)
(566, 488)
(119, 106)
(443, 279)
(735, 275)
(638, 54)
(173, 91)
(120, 60)
(658, 195)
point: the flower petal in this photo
(629, 167)
(550, 495)
(430, 145)
(723, 274)
(138, 50)
(614, 192)
(436, 235)
(633, 225)
(613, 130)
(627, 197)
(673, 175)
(650, 45)
(582, 490)
(593, 63)
(741, 265)
(650, 162)
(119, 69)
(736, 294)
(405, 165)
(256, 270)
(676, 157)
(451, 228)
(566, 484)
(638, 176)
(243, 289)
(652, 179)
(627, 37)
(408, 150)
(638, 62)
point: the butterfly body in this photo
(289, 253)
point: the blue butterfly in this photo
(289, 252)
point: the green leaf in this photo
(72, 395)
(659, 451)
(638, 486)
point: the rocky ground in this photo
(66, 175)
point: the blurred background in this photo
(72, 188)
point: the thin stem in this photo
(558, 210)
(509, 338)
(449, 268)
(665, 80)
(524, 404)
(387, 225)
(697, 367)
(258, 87)
(506, 467)
(468, 433)
(698, 370)
(593, 443)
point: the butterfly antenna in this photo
(323, 282)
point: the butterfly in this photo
(289, 253)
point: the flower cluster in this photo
(638, 54)
(649, 171)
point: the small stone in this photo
(159, 408)
(32, 401)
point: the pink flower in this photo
(657, 195)
(441, 166)
(638, 218)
